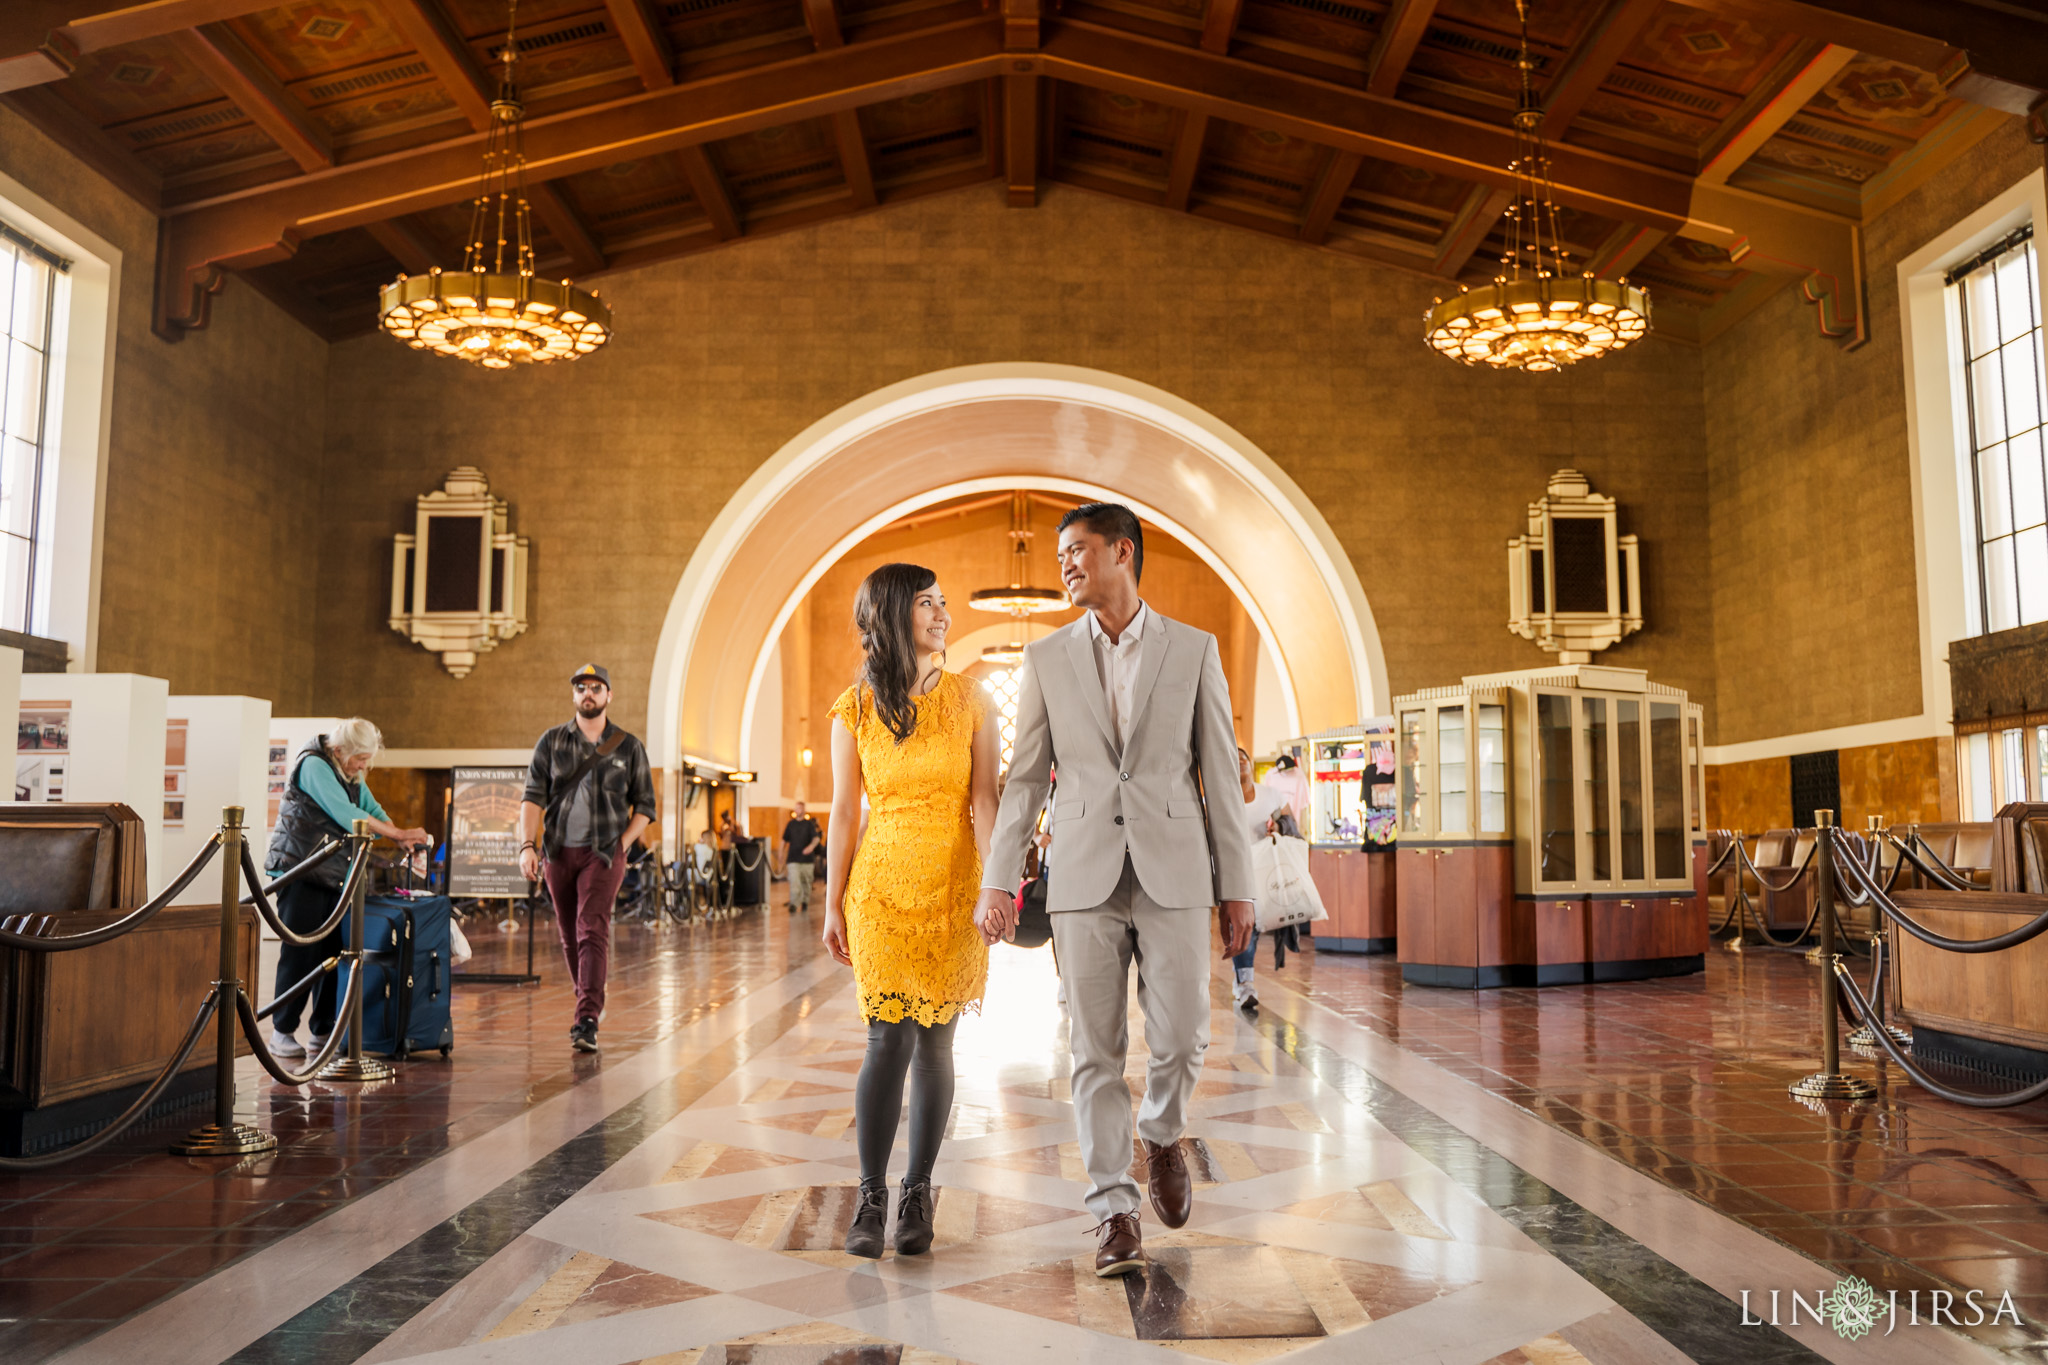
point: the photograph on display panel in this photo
(483, 832)
(42, 744)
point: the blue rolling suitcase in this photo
(407, 975)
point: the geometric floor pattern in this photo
(1317, 1235)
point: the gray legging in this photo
(878, 1094)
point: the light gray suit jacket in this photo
(1143, 801)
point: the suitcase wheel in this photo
(445, 1048)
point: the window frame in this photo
(77, 419)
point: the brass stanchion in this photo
(224, 1136)
(355, 1066)
(1864, 1036)
(1830, 1082)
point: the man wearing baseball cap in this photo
(591, 789)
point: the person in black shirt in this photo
(801, 843)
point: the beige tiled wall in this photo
(213, 472)
(615, 465)
(1815, 606)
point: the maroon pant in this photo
(583, 890)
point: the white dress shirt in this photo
(1117, 666)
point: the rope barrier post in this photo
(1865, 1035)
(1739, 894)
(1830, 1082)
(224, 1136)
(355, 1066)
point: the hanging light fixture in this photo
(1536, 315)
(1019, 601)
(494, 312)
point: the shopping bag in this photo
(1286, 893)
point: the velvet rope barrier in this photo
(128, 1116)
(63, 943)
(1884, 1040)
(2012, 938)
(276, 921)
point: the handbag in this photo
(1034, 924)
(1287, 894)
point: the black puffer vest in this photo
(302, 826)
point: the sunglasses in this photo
(590, 687)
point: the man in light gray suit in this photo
(1133, 709)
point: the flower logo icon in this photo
(1852, 1308)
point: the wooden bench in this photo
(82, 1032)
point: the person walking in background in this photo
(1135, 709)
(922, 746)
(329, 790)
(589, 794)
(800, 844)
(1263, 808)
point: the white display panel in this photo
(226, 748)
(101, 738)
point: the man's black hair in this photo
(1113, 522)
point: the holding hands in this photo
(995, 914)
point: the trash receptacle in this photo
(750, 872)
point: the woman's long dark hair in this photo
(891, 664)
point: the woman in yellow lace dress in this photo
(921, 744)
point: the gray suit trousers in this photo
(1097, 948)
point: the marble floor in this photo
(1383, 1173)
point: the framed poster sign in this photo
(483, 832)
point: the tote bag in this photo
(1286, 893)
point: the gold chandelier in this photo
(1536, 315)
(486, 313)
(1019, 601)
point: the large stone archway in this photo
(986, 428)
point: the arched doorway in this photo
(993, 428)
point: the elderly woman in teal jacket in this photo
(327, 793)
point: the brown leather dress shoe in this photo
(1166, 1174)
(1122, 1249)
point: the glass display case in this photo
(1352, 826)
(1351, 785)
(1550, 826)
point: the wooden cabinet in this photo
(1459, 924)
(1358, 892)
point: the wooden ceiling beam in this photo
(425, 25)
(709, 191)
(853, 157)
(1610, 36)
(1338, 173)
(1624, 250)
(1351, 120)
(61, 122)
(259, 224)
(1467, 233)
(822, 17)
(1991, 55)
(639, 28)
(566, 226)
(227, 61)
(42, 40)
(1020, 139)
(407, 244)
(1186, 160)
(1740, 141)
(1394, 46)
(1219, 24)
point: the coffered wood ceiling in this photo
(1714, 150)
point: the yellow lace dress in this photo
(910, 896)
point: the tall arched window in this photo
(1998, 297)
